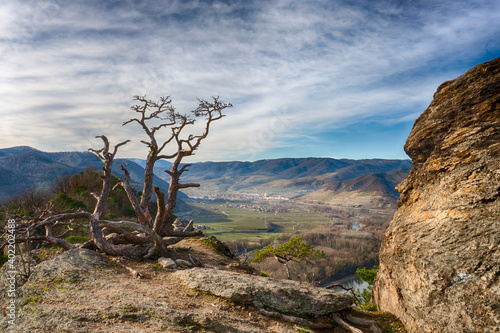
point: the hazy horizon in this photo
(338, 79)
(207, 161)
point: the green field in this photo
(233, 223)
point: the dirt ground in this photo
(112, 300)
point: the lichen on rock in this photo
(285, 296)
(440, 259)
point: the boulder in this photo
(183, 263)
(440, 259)
(76, 264)
(288, 297)
(167, 263)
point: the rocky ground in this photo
(84, 291)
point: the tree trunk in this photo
(147, 190)
(143, 215)
(173, 188)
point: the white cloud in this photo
(322, 64)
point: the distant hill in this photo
(20, 169)
(304, 179)
(286, 174)
(159, 169)
(23, 167)
(375, 190)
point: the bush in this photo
(295, 250)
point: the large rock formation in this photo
(289, 297)
(440, 260)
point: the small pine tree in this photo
(367, 275)
(294, 250)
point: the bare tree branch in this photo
(143, 215)
(345, 325)
(56, 241)
(59, 217)
(184, 168)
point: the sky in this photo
(342, 79)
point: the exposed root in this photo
(295, 320)
(345, 325)
(364, 323)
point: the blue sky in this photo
(343, 79)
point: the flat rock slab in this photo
(289, 297)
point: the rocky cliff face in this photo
(440, 260)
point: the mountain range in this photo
(23, 167)
(305, 179)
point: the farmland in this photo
(229, 223)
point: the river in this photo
(351, 281)
(355, 224)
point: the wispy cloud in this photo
(291, 68)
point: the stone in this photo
(183, 263)
(285, 296)
(167, 263)
(440, 259)
(180, 224)
(74, 265)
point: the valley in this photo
(340, 206)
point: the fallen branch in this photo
(57, 241)
(296, 320)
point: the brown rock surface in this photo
(285, 296)
(440, 260)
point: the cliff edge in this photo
(440, 259)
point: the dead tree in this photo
(146, 235)
(181, 146)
